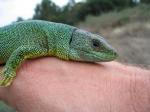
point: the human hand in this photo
(53, 85)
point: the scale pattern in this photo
(34, 38)
(31, 39)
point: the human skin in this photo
(53, 85)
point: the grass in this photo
(128, 31)
(114, 19)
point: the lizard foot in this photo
(6, 77)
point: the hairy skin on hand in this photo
(53, 85)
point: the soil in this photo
(132, 41)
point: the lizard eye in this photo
(96, 43)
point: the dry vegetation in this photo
(128, 31)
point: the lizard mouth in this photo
(93, 56)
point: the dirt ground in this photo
(132, 42)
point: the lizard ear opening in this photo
(70, 40)
(72, 36)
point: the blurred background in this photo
(124, 23)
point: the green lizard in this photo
(35, 38)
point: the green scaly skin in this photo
(35, 38)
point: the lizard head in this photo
(85, 46)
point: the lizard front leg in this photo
(17, 57)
